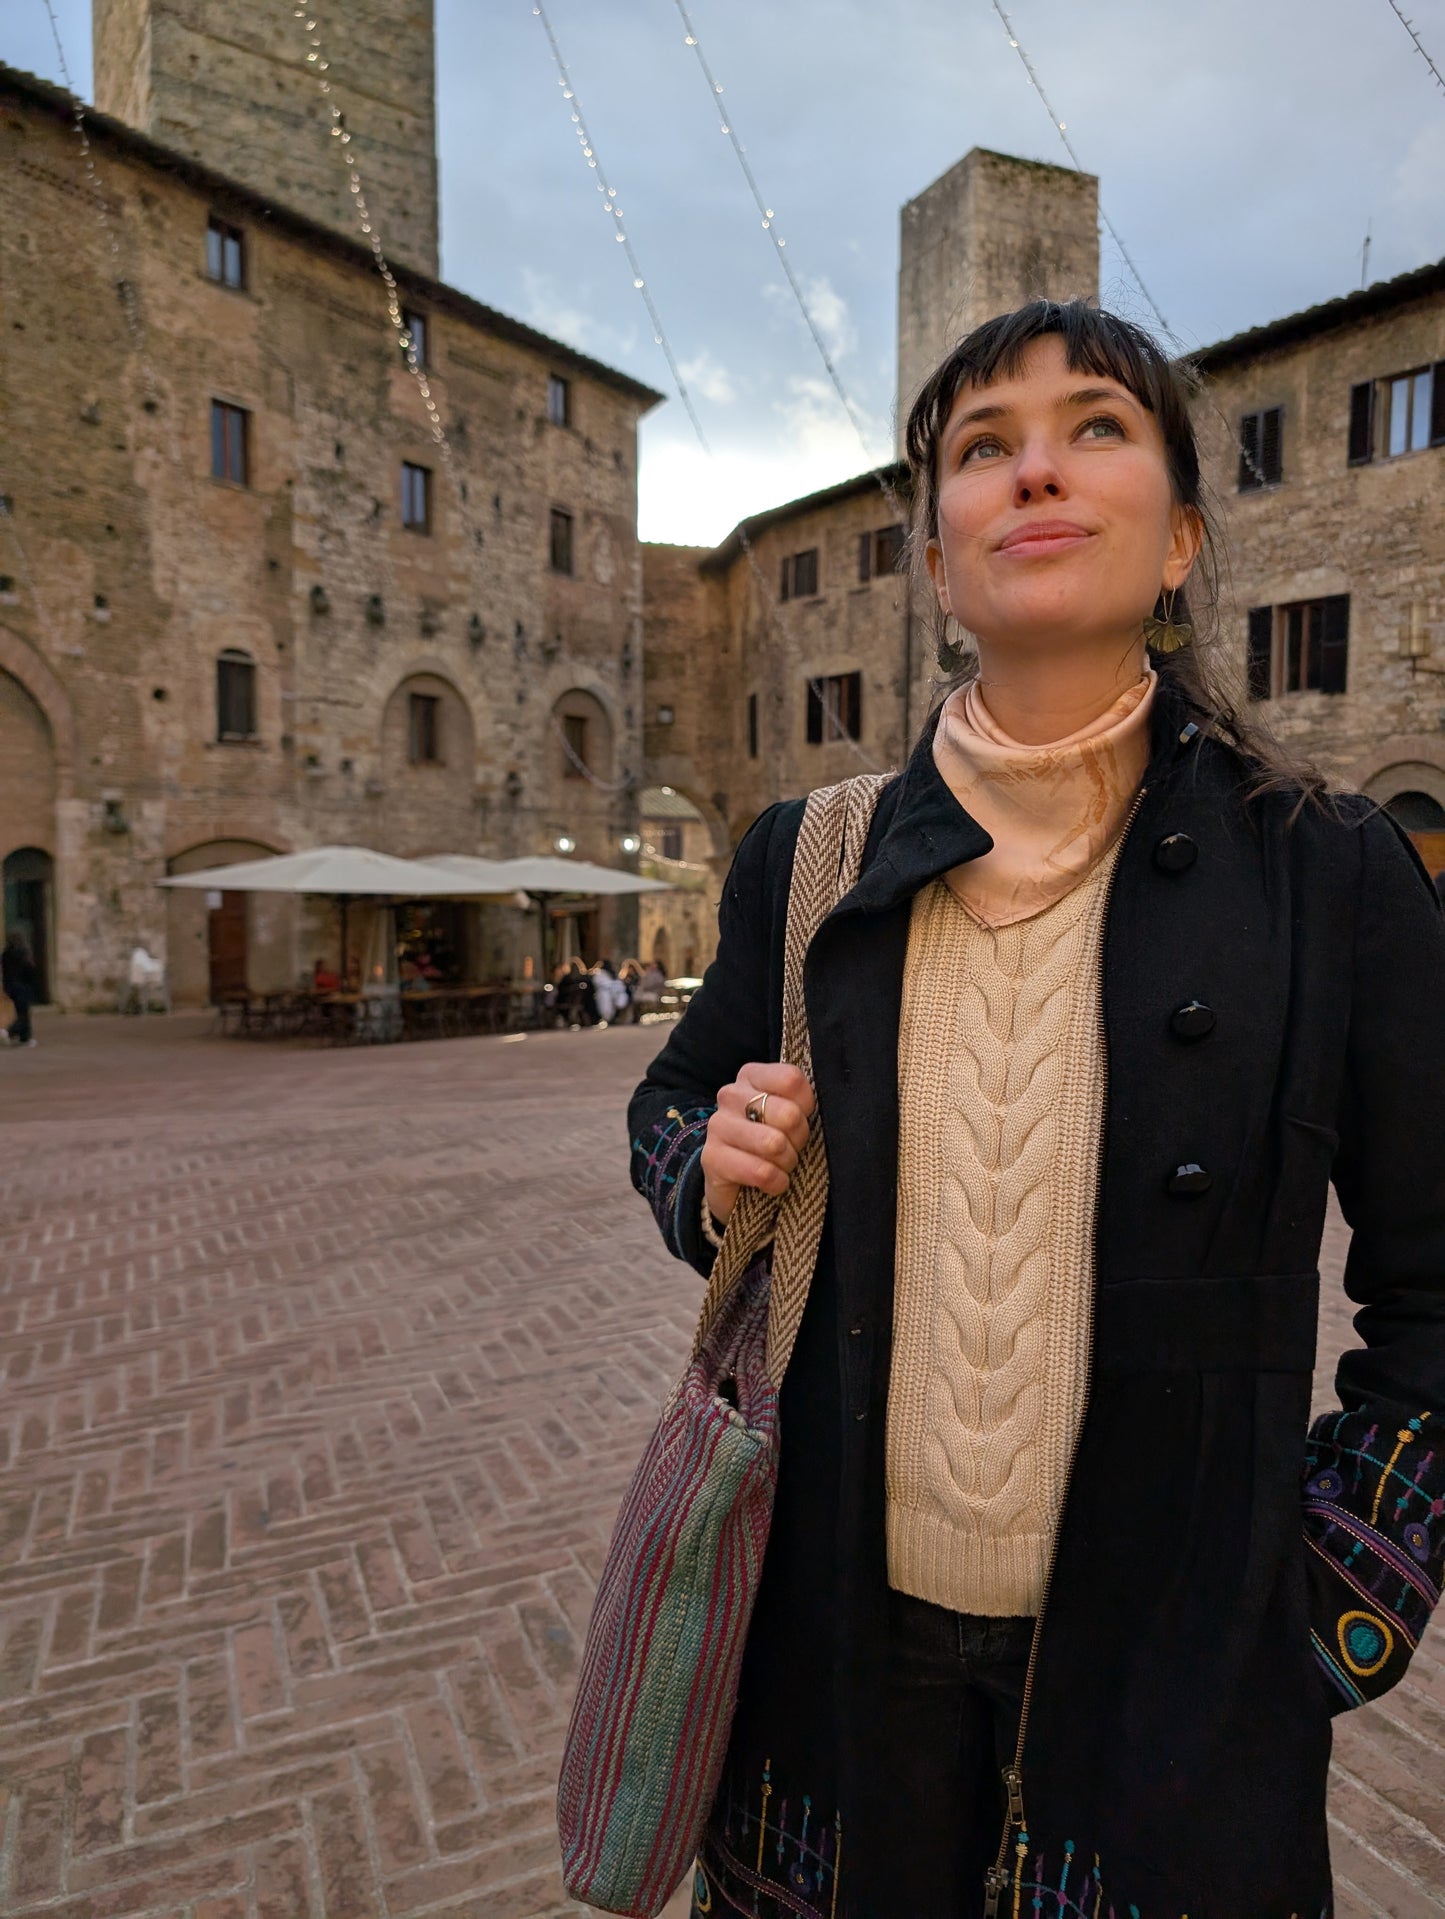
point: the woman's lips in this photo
(1043, 536)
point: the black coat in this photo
(1225, 1579)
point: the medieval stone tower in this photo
(991, 233)
(232, 86)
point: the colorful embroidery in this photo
(768, 1859)
(661, 1156)
(1374, 1509)
(1070, 1890)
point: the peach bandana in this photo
(1053, 811)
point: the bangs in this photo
(1095, 342)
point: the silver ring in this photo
(756, 1108)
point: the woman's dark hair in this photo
(1111, 348)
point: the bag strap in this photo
(826, 865)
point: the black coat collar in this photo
(921, 830)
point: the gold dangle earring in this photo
(1167, 635)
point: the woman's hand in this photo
(747, 1152)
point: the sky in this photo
(1243, 152)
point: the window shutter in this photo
(815, 712)
(1437, 404)
(1335, 644)
(1261, 652)
(1271, 445)
(1362, 423)
(785, 589)
(865, 557)
(1250, 470)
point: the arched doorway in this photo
(218, 944)
(30, 909)
(1423, 818)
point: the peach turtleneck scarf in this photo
(1052, 811)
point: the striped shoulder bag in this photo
(660, 1670)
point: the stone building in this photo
(793, 655)
(1327, 436)
(247, 602)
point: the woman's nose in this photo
(1037, 477)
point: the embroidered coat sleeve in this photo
(728, 1022)
(1374, 1479)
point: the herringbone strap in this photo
(826, 864)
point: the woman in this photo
(20, 981)
(1062, 1591)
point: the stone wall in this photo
(1375, 532)
(234, 87)
(131, 569)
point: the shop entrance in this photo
(29, 909)
(431, 942)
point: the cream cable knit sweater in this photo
(1001, 1071)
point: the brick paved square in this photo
(322, 1374)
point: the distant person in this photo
(20, 978)
(610, 992)
(324, 978)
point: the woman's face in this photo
(1056, 522)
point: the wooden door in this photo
(227, 927)
(1431, 848)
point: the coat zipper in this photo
(999, 1877)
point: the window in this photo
(424, 729)
(835, 708)
(235, 695)
(1402, 414)
(752, 726)
(879, 552)
(559, 400)
(800, 575)
(1299, 648)
(416, 497)
(230, 434)
(225, 253)
(413, 336)
(672, 842)
(559, 550)
(1261, 449)
(574, 739)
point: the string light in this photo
(569, 93)
(1037, 84)
(1409, 27)
(768, 219)
(1062, 125)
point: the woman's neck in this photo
(1039, 698)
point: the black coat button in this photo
(1175, 853)
(1193, 1020)
(1185, 1181)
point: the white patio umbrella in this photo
(342, 873)
(544, 877)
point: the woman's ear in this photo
(933, 560)
(1186, 537)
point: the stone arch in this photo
(582, 730)
(428, 752)
(1413, 766)
(1414, 762)
(249, 939)
(21, 661)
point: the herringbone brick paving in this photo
(322, 1375)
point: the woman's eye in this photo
(1102, 427)
(979, 447)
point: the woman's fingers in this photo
(772, 1076)
(780, 1115)
(769, 1144)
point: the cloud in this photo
(706, 377)
(548, 308)
(827, 309)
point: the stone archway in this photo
(1408, 779)
(224, 943)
